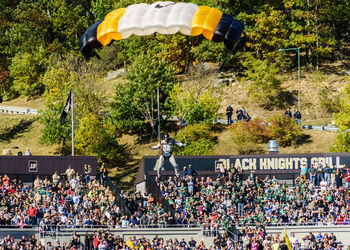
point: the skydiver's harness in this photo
(170, 144)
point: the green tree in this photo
(100, 8)
(97, 136)
(26, 70)
(89, 97)
(342, 119)
(135, 100)
(196, 100)
(264, 85)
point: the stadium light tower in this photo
(298, 51)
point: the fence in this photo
(18, 110)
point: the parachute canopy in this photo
(165, 18)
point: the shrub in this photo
(256, 129)
(247, 135)
(199, 139)
(243, 142)
(285, 130)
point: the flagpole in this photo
(72, 125)
(158, 118)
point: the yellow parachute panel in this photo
(205, 22)
(108, 29)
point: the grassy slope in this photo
(28, 136)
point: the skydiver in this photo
(167, 146)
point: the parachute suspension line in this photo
(223, 62)
(188, 52)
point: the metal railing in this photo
(154, 189)
(299, 224)
(17, 110)
(120, 201)
(322, 128)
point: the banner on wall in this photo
(255, 162)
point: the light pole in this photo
(298, 51)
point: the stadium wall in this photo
(283, 166)
(26, 168)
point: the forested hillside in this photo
(40, 58)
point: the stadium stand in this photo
(227, 212)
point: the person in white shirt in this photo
(323, 185)
(293, 240)
(27, 153)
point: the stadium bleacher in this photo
(228, 211)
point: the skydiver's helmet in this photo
(166, 137)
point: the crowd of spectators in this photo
(106, 240)
(76, 201)
(256, 238)
(69, 200)
(229, 200)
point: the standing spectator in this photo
(319, 175)
(191, 171)
(229, 112)
(327, 174)
(56, 178)
(222, 170)
(87, 172)
(288, 113)
(333, 182)
(69, 173)
(183, 172)
(312, 173)
(88, 241)
(338, 177)
(303, 171)
(347, 177)
(293, 240)
(103, 174)
(75, 241)
(297, 116)
(192, 243)
(32, 211)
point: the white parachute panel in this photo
(162, 17)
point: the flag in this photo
(286, 239)
(66, 108)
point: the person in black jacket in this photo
(288, 113)
(229, 112)
(297, 116)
